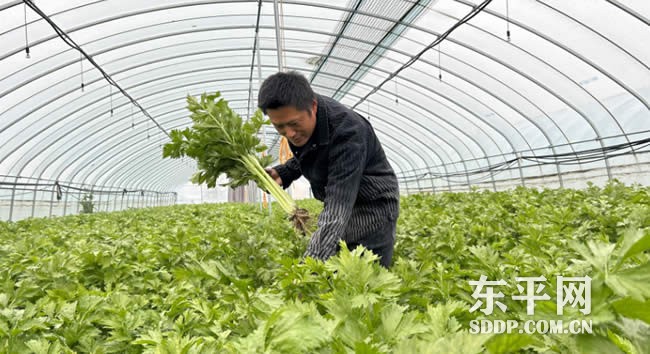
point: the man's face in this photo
(297, 126)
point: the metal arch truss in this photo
(408, 25)
(117, 107)
(459, 154)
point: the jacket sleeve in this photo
(347, 156)
(289, 172)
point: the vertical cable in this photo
(81, 65)
(475, 11)
(439, 63)
(69, 41)
(26, 38)
(110, 87)
(368, 101)
(255, 42)
(508, 19)
(396, 94)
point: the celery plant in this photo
(221, 142)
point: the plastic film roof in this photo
(573, 75)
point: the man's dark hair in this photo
(285, 89)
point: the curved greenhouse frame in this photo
(461, 93)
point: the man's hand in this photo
(274, 174)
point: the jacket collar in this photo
(322, 126)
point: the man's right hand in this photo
(274, 174)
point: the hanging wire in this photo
(250, 79)
(57, 190)
(475, 11)
(368, 102)
(81, 73)
(439, 63)
(26, 38)
(132, 118)
(508, 19)
(70, 42)
(111, 97)
(396, 94)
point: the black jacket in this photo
(348, 170)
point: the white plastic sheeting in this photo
(572, 76)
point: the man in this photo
(337, 151)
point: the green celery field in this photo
(228, 278)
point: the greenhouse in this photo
(139, 211)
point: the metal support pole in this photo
(494, 183)
(108, 199)
(73, 210)
(81, 187)
(99, 201)
(521, 170)
(559, 175)
(65, 203)
(278, 35)
(559, 171)
(34, 199)
(417, 183)
(607, 166)
(53, 193)
(433, 186)
(115, 203)
(469, 184)
(107, 195)
(92, 198)
(13, 198)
